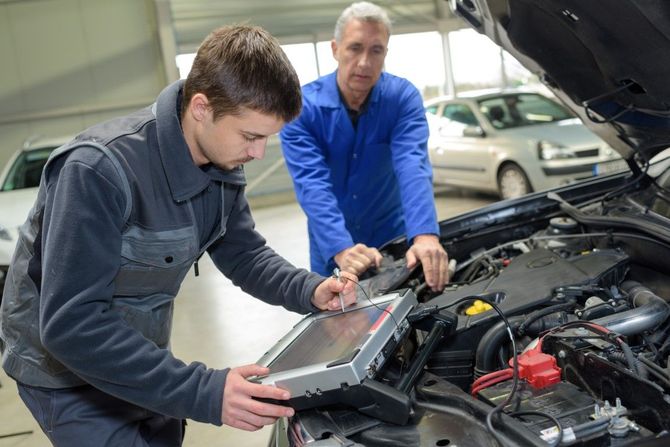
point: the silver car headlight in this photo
(4, 234)
(546, 150)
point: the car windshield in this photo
(27, 169)
(525, 109)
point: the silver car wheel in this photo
(512, 182)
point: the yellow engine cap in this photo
(478, 307)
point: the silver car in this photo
(19, 182)
(510, 142)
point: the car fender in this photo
(525, 158)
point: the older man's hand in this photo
(358, 259)
(427, 249)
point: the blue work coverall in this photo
(368, 184)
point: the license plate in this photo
(609, 167)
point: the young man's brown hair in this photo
(243, 66)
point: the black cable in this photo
(383, 310)
(609, 119)
(640, 237)
(589, 428)
(580, 337)
(589, 103)
(553, 419)
(653, 364)
(661, 376)
(631, 359)
(640, 176)
(490, 344)
(612, 337)
(655, 367)
(651, 346)
(373, 303)
(663, 348)
(588, 325)
(470, 271)
(515, 363)
(603, 333)
(559, 236)
(490, 272)
(620, 356)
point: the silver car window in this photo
(524, 109)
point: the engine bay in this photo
(582, 357)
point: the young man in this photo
(122, 214)
(358, 157)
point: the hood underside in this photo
(608, 61)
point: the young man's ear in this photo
(199, 106)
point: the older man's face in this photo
(360, 56)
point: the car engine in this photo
(582, 357)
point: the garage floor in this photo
(219, 325)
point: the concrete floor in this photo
(219, 325)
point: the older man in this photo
(358, 157)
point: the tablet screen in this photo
(327, 339)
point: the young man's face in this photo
(360, 56)
(231, 141)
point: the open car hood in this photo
(575, 347)
(607, 61)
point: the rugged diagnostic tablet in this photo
(333, 357)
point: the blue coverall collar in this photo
(185, 178)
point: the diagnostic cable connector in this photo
(420, 312)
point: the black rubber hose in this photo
(639, 294)
(653, 365)
(661, 377)
(634, 364)
(493, 339)
(535, 315)
(470, 270)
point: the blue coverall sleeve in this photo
(409, 148)
(306, 162)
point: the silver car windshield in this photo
(526, 109)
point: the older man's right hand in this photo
(358, 259)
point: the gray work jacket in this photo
(121, 216)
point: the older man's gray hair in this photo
(364, 11)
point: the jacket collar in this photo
(185, 179)
(331, 95)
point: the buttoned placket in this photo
(222, 230)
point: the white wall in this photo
(67, 64)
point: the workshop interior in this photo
(554, 327)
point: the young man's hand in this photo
(240, 410)
(358, 259)
(427, 249)
(327, 294)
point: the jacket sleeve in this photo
(243, 256)
(409, 148)
(306, 162)
(81, 246)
